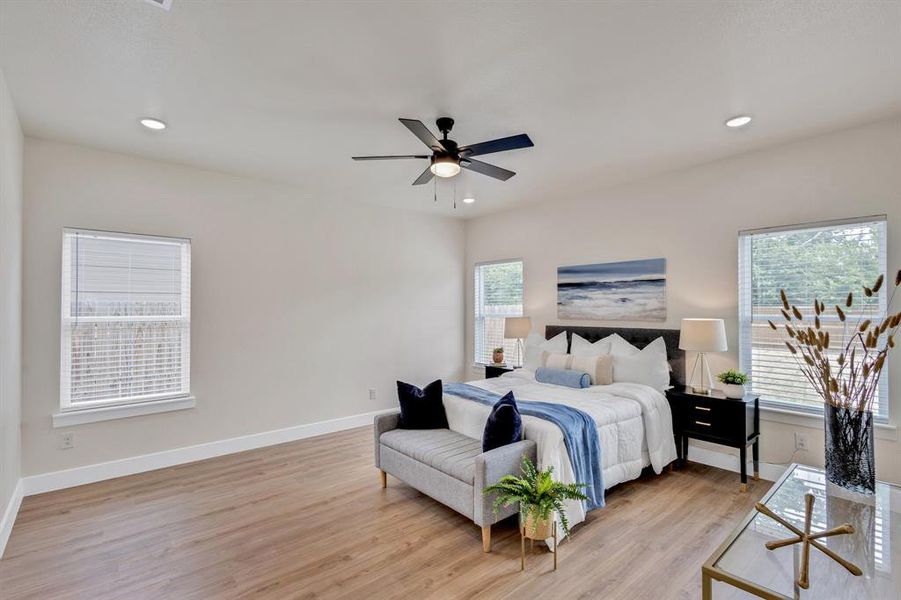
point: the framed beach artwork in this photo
(633, 290)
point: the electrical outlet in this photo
(801, 441)
(66, 441)
(371, 394)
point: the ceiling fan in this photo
(447, 158)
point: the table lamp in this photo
(517, 328)
(702, 336)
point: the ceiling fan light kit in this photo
(445, 166)
(448, 158)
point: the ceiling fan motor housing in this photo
(450, 148)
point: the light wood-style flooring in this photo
(309, 519)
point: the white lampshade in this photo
(703, 335)
(517, 327)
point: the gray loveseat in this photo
(449, 467)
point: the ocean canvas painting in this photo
(630, 290)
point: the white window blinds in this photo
(126, 307)
(823, 261)
(498, 294)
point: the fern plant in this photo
(537, 493)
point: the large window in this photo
(823, 261)
(498, 294)
(125, 319)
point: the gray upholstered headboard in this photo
(638, 337)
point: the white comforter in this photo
(634, 423)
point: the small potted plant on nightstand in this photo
(539, 498)
(733, 383)
(498, 356)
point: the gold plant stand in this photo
(536, 533)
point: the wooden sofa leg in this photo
(384, 478)
(486, 538)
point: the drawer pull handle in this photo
(702, 423)
(703, 408)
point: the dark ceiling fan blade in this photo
(395, 157)
(486, 169)
(513, 142)
(423, 133)
(425, 177)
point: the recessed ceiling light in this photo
(154, 124)
(738, 121)
(468, 200)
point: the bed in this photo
(633, 420)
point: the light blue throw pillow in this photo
(565, 377)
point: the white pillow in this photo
(536, 344)
(556, 360)
(582, 347)
(620, 347)
(647, 366)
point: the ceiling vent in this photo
(164, 4)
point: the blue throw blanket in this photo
(580, 433)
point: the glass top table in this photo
(742, 567)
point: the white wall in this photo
(10, 298)
(300, 303)
(691, 217)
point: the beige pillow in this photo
(599, 368)
(555, 360)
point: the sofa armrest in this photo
(384, 422)
(490, 467)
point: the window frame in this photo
(104, 409)
(746, 319)
(476, 318)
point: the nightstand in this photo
(492, 371)
(717, 419)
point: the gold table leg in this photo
(556, 546)
(522, 548)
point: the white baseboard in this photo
(57, 480)
(9, 516)
(731, 462)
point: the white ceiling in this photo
(288, 91)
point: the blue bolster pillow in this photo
(567, 377)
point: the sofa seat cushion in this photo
(447, 451)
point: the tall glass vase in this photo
(850, 449)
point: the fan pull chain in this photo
(435, 187)
(455, 194)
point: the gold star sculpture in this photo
(808, 540)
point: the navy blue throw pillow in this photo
(504, 424)
(421, 408)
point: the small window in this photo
(498, 294)
(126, 326)
(823, 261)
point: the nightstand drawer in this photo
(703, 422)
(702, 415)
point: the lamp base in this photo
(700, 381)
